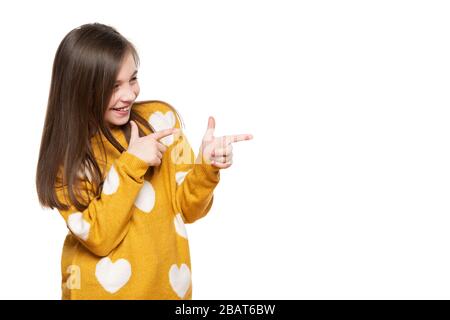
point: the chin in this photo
(121, 123)
(118, 122)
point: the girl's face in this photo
(125, 93)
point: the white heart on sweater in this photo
(111, 182)
(180, 279)
(78, 225)
(161, 121)
(180, 175)
(85, 174)
(145, 201)
(113, 276)
(180, 228)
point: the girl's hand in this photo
(218, 151)
(148, 148)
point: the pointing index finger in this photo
(238, 137)
(164, 133)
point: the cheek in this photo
(108, 114)
(113, 100)
(137, 89)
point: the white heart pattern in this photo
(113, 276)
(180, 228)
(161, 121)
(78, 225)
(179, 176)
(111, 182)
(85, 174)
(180, 279)
(145, 201)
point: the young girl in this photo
(121, 173)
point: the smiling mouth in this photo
(122, 109)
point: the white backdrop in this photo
(344, 190)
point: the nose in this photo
(129, 96)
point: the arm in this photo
(195, 193)
(105, 222)
(195, 182)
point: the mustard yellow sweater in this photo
(131, 243)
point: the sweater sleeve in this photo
(105, 222)
(195, 182)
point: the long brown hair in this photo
(85, 68)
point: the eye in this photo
(134, 79)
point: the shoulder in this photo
(159, 114)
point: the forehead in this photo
(127, 69)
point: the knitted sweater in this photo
(131, 242)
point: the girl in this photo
(121, 173)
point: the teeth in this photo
(122, 109)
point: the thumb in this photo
(210, 130)
(134, 132)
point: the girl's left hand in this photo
(218, 151)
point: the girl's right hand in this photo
(148, 148)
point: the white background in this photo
(344, 191)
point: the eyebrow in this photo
(134, 73)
